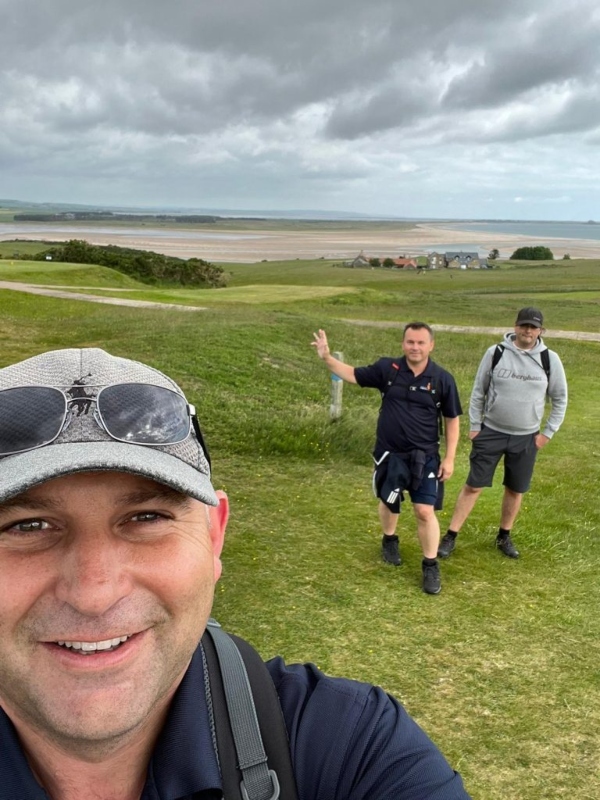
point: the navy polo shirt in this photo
(409, 418)
(348, 740)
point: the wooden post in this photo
(337, 385)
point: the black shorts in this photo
(430, 491)
(519, 452)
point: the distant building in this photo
(435, 260)
(465, 260)
(405, 263)
(361, 260)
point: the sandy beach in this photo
(274, 245)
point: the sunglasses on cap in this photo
(134, 413)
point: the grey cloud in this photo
(394, 107)
(578, 114)
(282, 95)
(308, 51)
(265, 59)
(537, 56)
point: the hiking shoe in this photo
(505, 544)
(431, 579)
(390, 550)
(446, 545)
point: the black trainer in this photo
(431, 578)
(446, 545)
(504, 543)
(390, 550)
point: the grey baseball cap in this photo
(83, 445)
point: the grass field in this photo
(502, 668)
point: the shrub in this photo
(536, 253)
(144, 265)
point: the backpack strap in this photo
(497, 356)
(391, 378)
(544, 357)
(251, 736)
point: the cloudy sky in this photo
(419, 108)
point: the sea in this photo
(554, 230)
(541, 229)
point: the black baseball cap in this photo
(530, 316)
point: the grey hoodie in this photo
(512, 399)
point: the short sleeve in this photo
(374, 375)
(352, 741)
(451, 406)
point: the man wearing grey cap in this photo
(110, 542)
(506, 412)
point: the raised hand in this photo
(320, 343)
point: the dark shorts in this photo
(519, 452)
(430, 491)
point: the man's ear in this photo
(218, 516)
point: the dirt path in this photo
(116, 301)
(91, 298)
(553, 334)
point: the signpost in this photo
(337, 385)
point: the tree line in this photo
(109, 216)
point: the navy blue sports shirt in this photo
(409, 418)
(348, 740)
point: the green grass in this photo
(19, 247)
(252, 295)
(67, 275)
(501, 668)
(568, 291)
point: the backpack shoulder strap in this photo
(252, 741)
(497, 356)
(391, 377)
(438, 404)
(545, 357)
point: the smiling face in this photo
(417, 345)
(526, 336)
(106, 584)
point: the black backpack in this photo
(544, 356)
(251, 737)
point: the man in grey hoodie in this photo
(506, 412)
